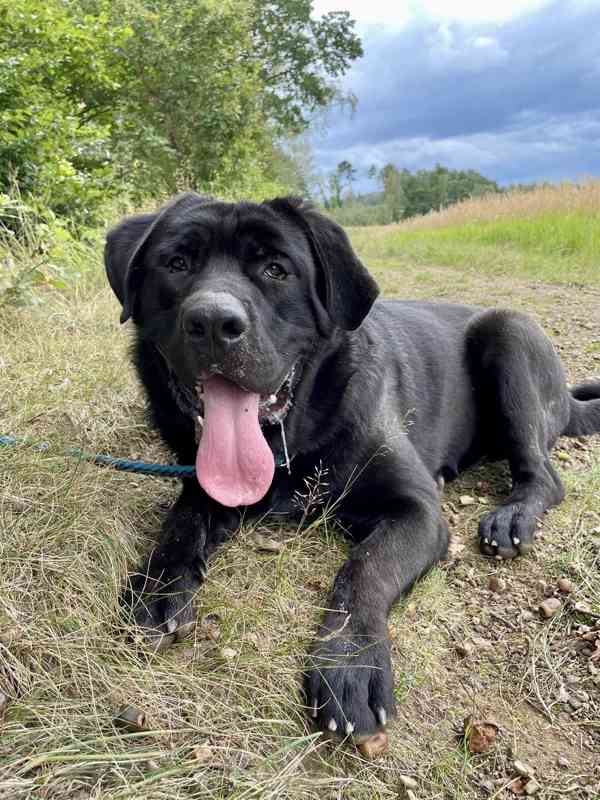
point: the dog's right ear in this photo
(122, 244)
(125, 243)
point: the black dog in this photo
(258, 341)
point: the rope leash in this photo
(125, 464)
(101, 460)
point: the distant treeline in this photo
(402, 193)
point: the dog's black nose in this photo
(215, 318)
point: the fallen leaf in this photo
(480, 735)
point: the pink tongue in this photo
(234, 465)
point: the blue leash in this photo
(123, 464)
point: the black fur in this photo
(391, 397)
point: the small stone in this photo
(523, 769)
(267, 544)
(202, 753)
(228, 653)
(497, 585)
(374, 746)
(408, 782)
(565, 585)
(532, 787)
(563, 762)
(550, 607)
(466, 500)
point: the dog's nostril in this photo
(195, 327)
(232, 328)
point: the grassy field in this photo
(224, 717)
(551, 234)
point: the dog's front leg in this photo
(158, 597)
(349, 682)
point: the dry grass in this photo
(551, 234)
(68, 532)
(563, 198)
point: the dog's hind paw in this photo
(508, 531)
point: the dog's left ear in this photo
(125, 244)
(350, 290)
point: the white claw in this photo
(494, 543)
(486, 540)
(315, 710)
(171, 626)
(516, 540)
(332, 725)
(382, 716)
(349, 729)
(200, 421)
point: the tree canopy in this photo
(98, 97)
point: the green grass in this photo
(553, 247)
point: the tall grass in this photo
(551, 233)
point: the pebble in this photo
(563, 762)
(549, 607)
(523, 769)
(408, 782)
(532, 787)
(466, 500)
(497, 585)
(375, 746)
(565, 585)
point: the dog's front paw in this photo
(349, 683)
(158, 600)
(508, 531)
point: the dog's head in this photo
(236, 295)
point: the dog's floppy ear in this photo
(123, 252)
(350, 290)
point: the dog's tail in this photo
(585, 409)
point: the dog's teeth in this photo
(382, 716)
(494, 543)
(332, 725)
(516, 540)
(349, 729)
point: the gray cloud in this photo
(518, 101)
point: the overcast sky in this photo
(510, 88)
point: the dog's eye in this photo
(177, 264)
(275, 271)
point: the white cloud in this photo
(400, 13)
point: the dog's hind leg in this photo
(523, 406)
